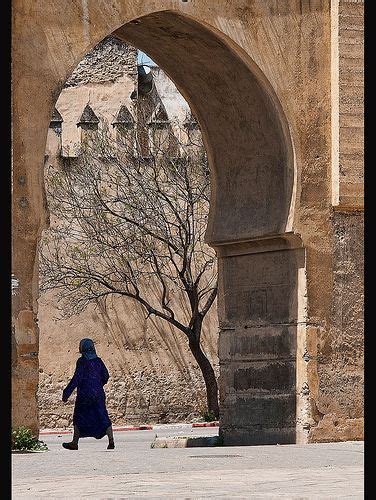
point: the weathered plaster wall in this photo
(74, 99)
(108, 61)
(336, 352)
(153, 376)
(176, 106)
(348, 112)
(340, 354)
(104, 79)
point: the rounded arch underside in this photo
(246, 135)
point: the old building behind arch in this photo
(154, 377)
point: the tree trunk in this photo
(209, 376)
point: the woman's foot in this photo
(111, 445)
(70, 446)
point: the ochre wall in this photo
(260, 77)
(153, 375)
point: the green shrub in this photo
(23, 439)
(208, 416)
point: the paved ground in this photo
(134, 469)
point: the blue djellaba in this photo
(90, 417)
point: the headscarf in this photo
(87, 349)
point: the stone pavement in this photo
(134, 469)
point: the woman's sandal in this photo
(70, 446)
(111, 446)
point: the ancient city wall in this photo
(340, 353)
(153, 376)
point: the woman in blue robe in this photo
(90, 417)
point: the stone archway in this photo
(251, 160)
(266, 65)
(235, 106)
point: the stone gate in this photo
(277, 86)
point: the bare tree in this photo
(126, 222)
